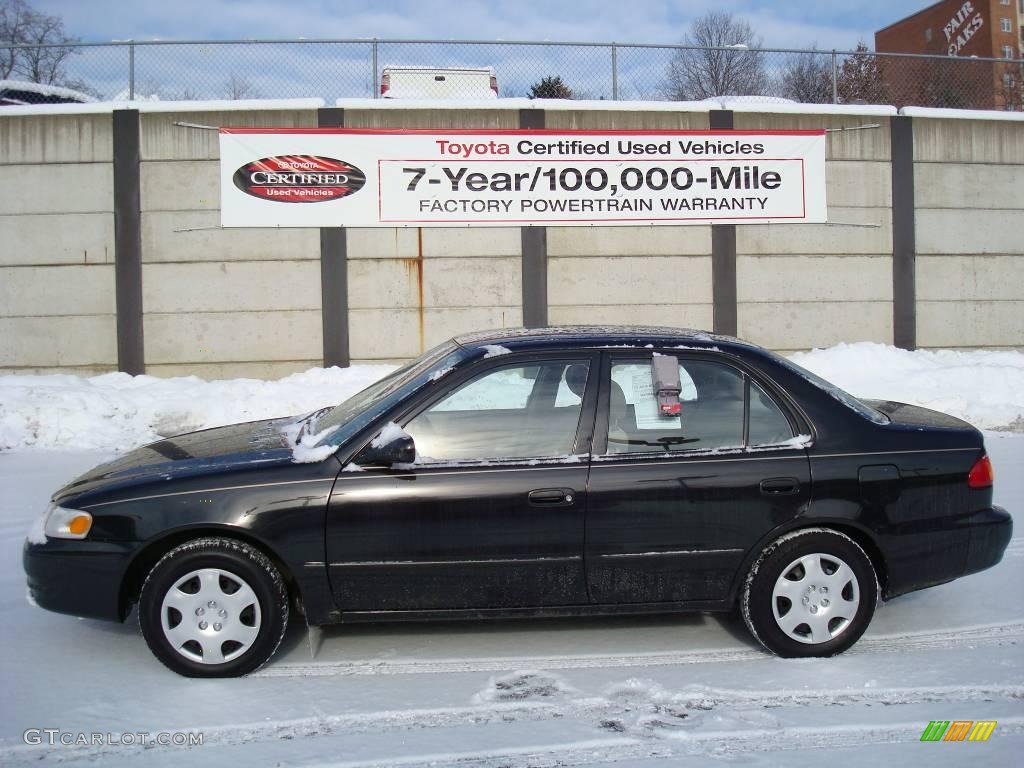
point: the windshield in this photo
(344, 420)
(841, 395)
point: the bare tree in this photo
(862, 78)
(807, 77)
(1011, 90)
(723, 59)
(43, 46)
(239, 87)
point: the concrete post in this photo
(723, 255)
(535, 251)
(904, 244)
(131, 356)
(334, 272)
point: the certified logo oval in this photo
(299, 178)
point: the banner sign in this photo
(329, 177)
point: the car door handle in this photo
(551, 497)
(780, 486)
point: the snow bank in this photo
(983, 387)
(119, 412)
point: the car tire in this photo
(810, 592)
(214, 607)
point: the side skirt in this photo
(469, 614)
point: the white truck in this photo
(434, 83)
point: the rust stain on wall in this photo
(415, 265)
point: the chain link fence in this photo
(330, 69)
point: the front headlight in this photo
(63, 523)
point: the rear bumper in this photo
(82, 578)
(961, 546)
(990, 530)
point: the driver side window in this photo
(513, 412)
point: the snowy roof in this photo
(405, 68)
(13, 89)
(782, 108)
(741, 99)
(229, 105)
(523, 103)
(213, 105)
(764, 104)
(962, 114)
(737, 104)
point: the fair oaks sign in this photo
(395, 178)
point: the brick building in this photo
(961, 29)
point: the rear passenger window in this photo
(711, 416)
(768, 424)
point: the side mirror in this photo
(400, 450)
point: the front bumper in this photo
(82, 578)
(991, 530)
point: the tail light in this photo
(981, 474)
(385, 83)
(494, 84)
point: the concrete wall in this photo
(806, 285)
(969, 200)
(411, 288)
(57, 309)
(616, 275)
(222, 303)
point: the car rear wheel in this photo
(213, 607)
(810, 593)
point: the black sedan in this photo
(531, 472)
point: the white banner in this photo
(427, 178)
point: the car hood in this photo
(256, 444)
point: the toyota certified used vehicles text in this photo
(531, 472)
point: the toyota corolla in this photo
(556, 471)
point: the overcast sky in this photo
(782, 23)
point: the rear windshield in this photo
(831, 389)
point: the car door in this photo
(491, 514)
(675, 502)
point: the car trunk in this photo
(916, 416)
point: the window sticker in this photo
(646, 403)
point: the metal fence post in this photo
(376, 74)
(131, 71)
(835, 78)
(615, 72)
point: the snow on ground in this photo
(632, 691)
(117, 412)
(983, 387)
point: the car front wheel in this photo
(811, 592)
(213, 607)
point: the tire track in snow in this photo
(712, 744)
(986, 635)
(662, 706)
